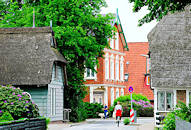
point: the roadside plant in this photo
(93, 109)
(16, 102)
(169, 121)
(126, 121)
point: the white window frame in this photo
(90, 77)
(52, 101)
(117, 41)
(165, 100)
(107, 66)
(112, 67)
(117, 67)
(122, 92)
(117, 93)
(189, 95)
(121, 69)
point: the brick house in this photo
(108, 83)
(137, 67)
(171, 61)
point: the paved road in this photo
(108, 124)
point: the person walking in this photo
(105, 111)
(118, 109)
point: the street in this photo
(144, 123)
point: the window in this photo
(117, 41)
(57, 73)
(112, 67)
(122, 92)
(53, 101)
(117, 68)
(165, 100)
(189, 97)
(112, 96)
(89, 74)
(107, 66)
(121, 69)
(112, 43)
(117, 93)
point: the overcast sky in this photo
(129, 20)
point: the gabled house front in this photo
(170, 54)
(108, 83)
(29, 60)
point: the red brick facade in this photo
(137, 68)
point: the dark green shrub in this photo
(126, 121)
(169, 122)
(6, 117)
(93, 109)
(17, 103)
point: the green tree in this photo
(158, 8)
(81, 34)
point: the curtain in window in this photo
(161, 101)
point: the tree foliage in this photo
(158, 8)
(80, 31)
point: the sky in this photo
(129, 20)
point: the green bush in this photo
(140, 103)
(6, 117)
(17, 103)
(169, 122)
(78, 113)
(93, 109)
(126, 121)
(136, 97)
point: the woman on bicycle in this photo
(118, 110)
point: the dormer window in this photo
(52, 42)
(57, 73)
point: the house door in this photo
(98, 97)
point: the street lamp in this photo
(147, 56)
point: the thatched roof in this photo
(170, 47)
(26, 56)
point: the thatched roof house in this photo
(29, 59)
(26, 56)
(170, 47)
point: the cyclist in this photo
(118, 110)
